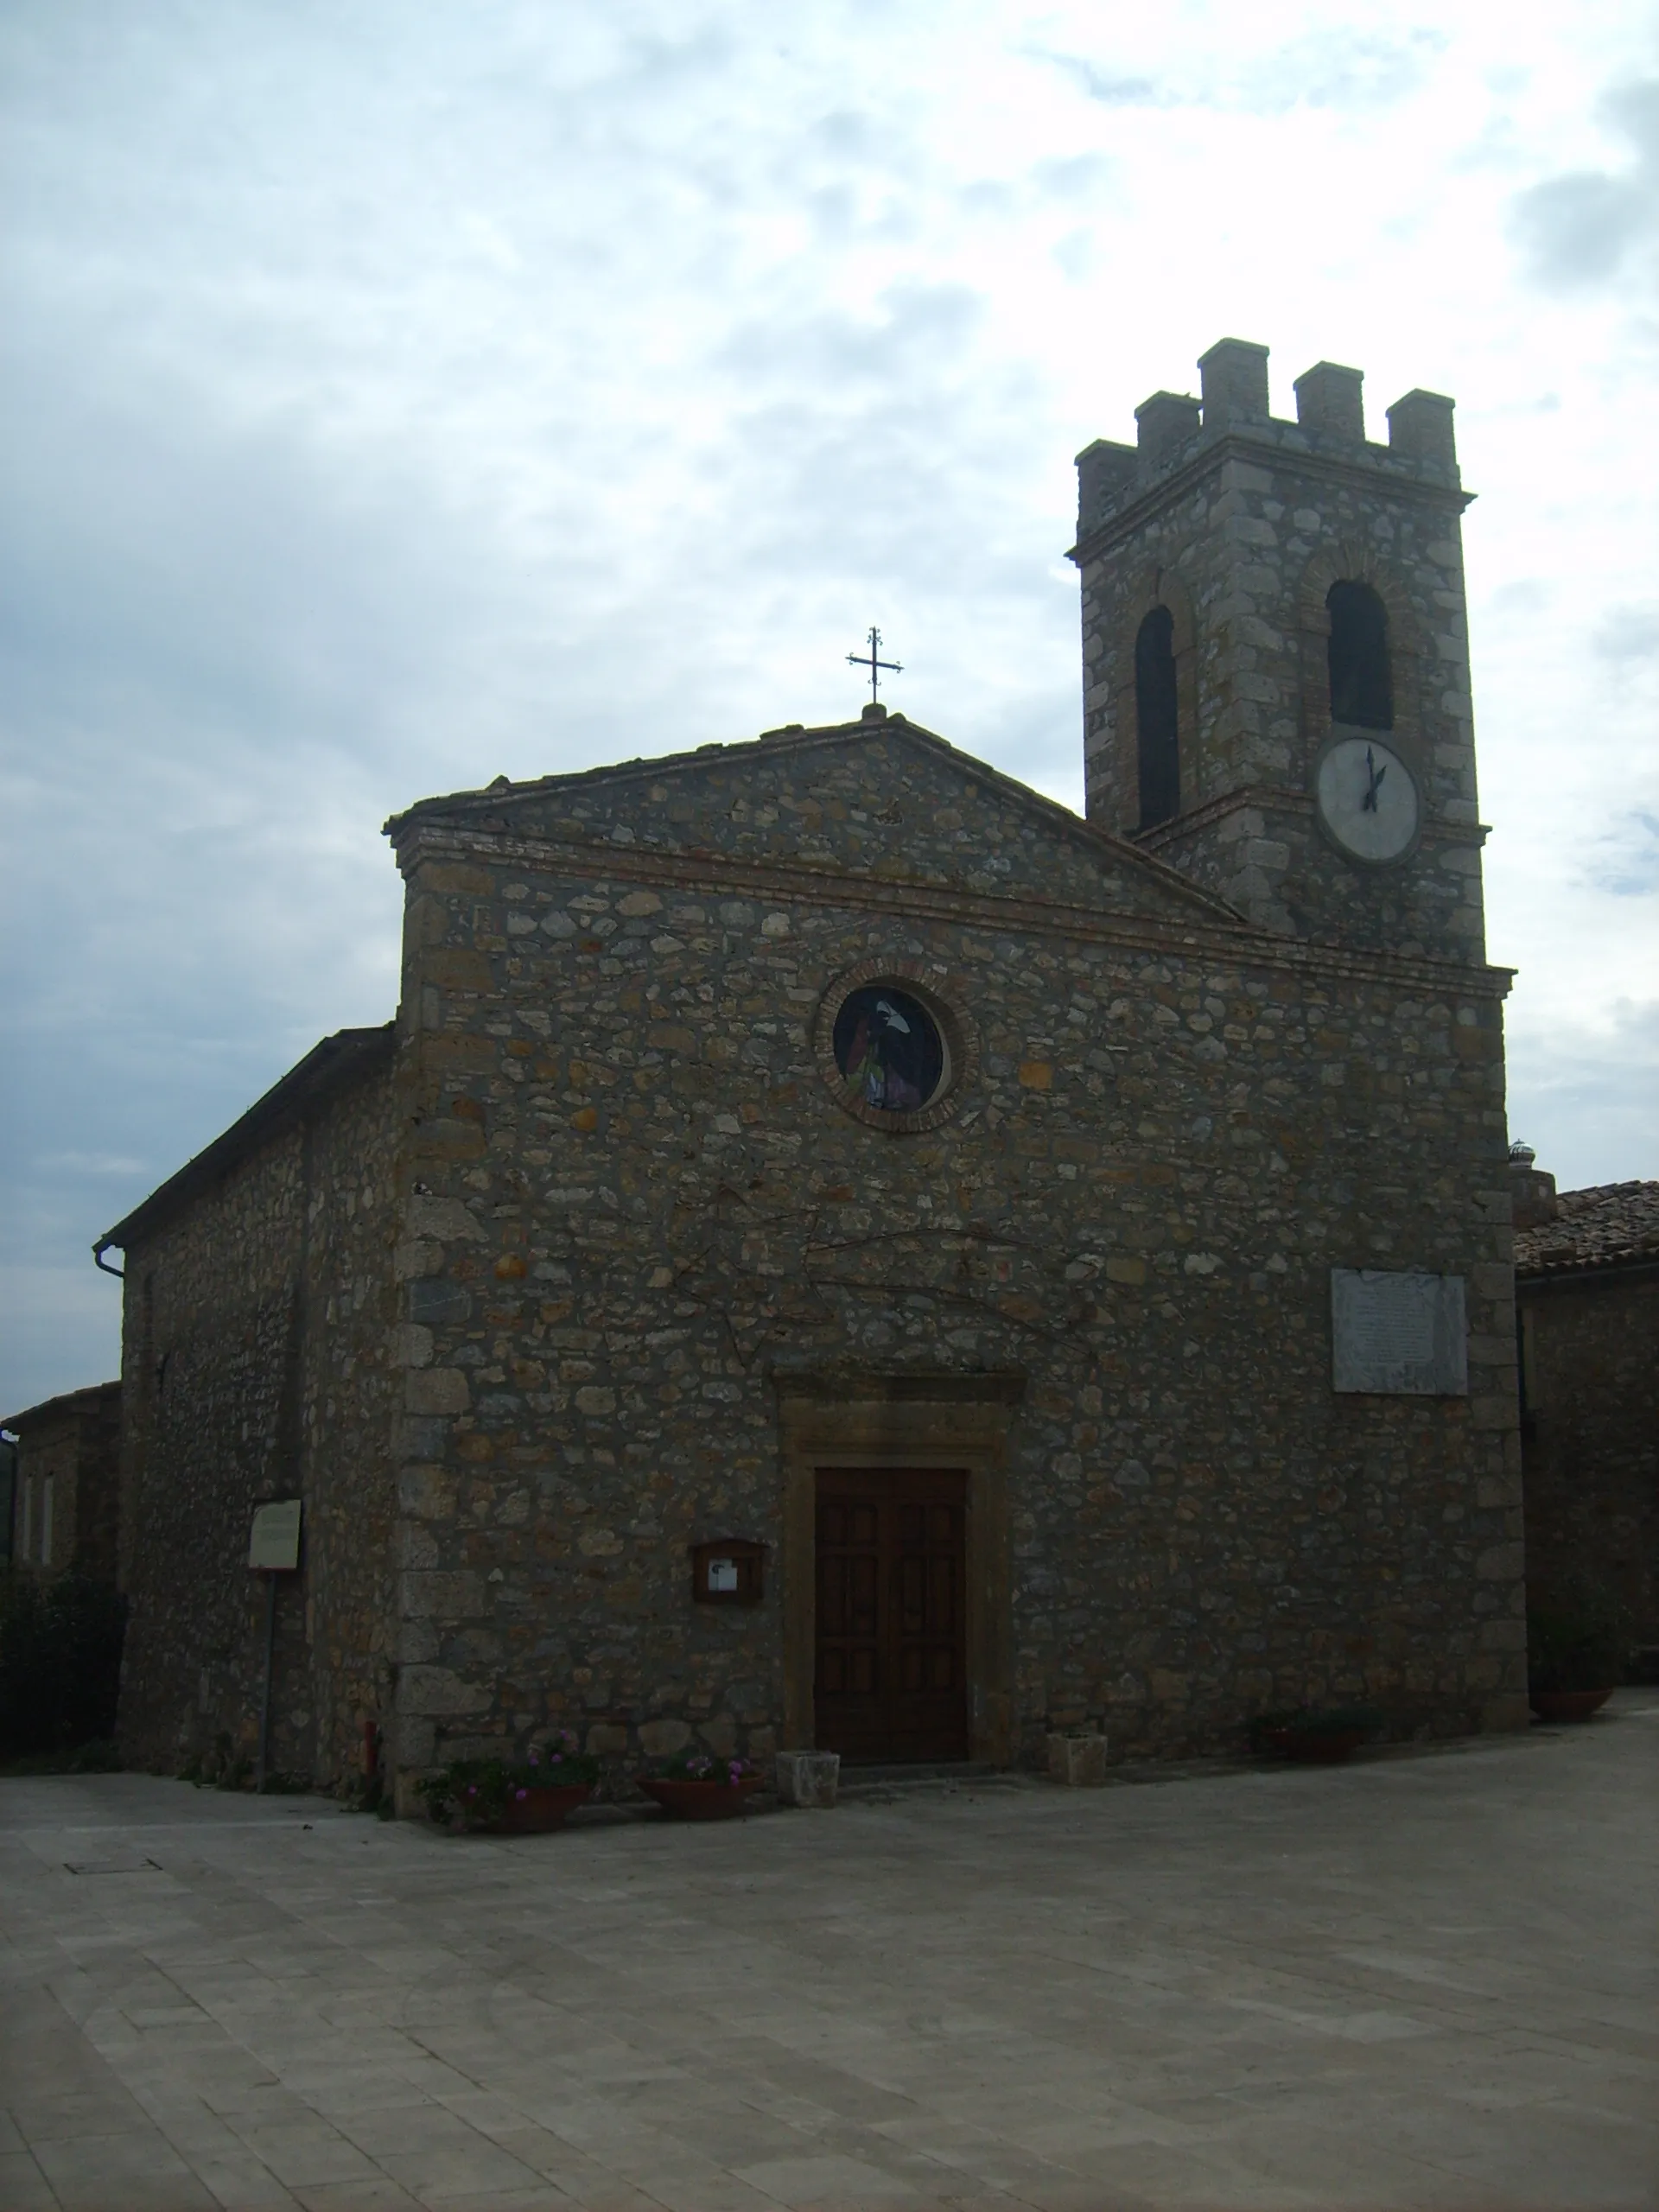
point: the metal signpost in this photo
(273, 1550)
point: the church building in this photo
(836, 1250)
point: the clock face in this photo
(1367, 799)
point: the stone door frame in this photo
(847, 1418)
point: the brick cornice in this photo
(1279, 798)
(1583, 1275)
(714, 874)
(841, 1386)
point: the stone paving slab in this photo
(1421, 1981)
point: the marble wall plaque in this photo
(1400, 1333)
(273, 1540)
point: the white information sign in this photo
(1398, 1334)
(275, 1543)
(723, 1575)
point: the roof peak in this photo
(644, 764)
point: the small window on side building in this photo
(1362, 682)
(1158, 756)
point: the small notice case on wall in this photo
(730, 1571)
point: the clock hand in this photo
(1368, 804)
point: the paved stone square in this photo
(1424, 1980)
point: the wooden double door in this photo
(891, 1659)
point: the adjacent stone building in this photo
(835, 1247)
(258, 1361)
(1586, 1279)
(65, 1500)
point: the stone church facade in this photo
(836, 1249)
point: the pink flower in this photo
(523, 1793)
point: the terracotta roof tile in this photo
(1611, 1224)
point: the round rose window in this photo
(889, 1050)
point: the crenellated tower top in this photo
(1173, 432)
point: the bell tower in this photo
(1276, 694)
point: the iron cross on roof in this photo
(871, 661)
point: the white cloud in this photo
(87, 1163)
(1583, 1098)
(1580, 231)
(1629, 633)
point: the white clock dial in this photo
(1367, 799)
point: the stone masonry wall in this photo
(97, 1494)
(70, 1450)
(46, 1462)
(255, 1322)
(206, 1324)
(351, 1383)
(636, 1198)
(1590, 1443)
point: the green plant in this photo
(208, 1769)
(100, 1757)
(702, 1766)
(60, 1660)
(476, 1792)
(1577, 1638)
(85, 1758)
(1315, 1720)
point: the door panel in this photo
(892, 1649)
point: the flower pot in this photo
(701, 1801)
(1568, 1705)
(539, 1810)
(1316, 1746)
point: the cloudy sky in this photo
(396, 396)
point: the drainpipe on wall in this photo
(8, 1493)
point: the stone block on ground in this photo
(808, 1778)
(1078, 1761)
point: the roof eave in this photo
(52, 1409)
